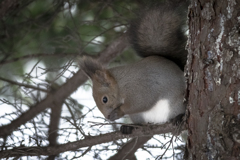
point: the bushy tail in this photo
(159, 30)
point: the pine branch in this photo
(141, 132)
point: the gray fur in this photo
(160, 31)
(158, 78)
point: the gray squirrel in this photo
(152, 89)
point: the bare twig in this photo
(24, 85)
(170, 142)
(38, 56)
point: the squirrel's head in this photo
(105, 89)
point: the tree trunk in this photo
(213, 72)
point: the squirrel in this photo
(152, 89)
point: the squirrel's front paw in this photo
(125, 129)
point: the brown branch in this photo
(142, 131)
(53, 127)
(54, 123)
(128, 150)
(6, 6)
(58, 96)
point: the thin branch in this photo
(24, 85)
(143, 131)
(38, 56)
(128, 150)
(53, 126)
(60, 94)
(170, 142)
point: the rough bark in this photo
(213, 72)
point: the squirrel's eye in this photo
(105, 100)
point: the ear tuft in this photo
(96, 72)
(104, 78)
(90, 66)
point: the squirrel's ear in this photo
(104, 78)
(96, 72)
(90, 66)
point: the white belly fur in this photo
(159, 113)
